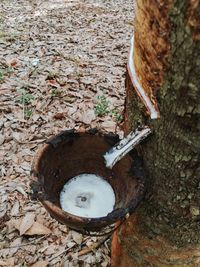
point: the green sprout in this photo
(116, 115)
(27, 113)
(4, 73)
(1, 76)
(55, 92)
(25, 99)
(102, 108)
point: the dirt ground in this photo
(62, 66)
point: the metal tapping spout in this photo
(125, 145)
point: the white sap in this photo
(87, 195)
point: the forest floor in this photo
(62, 66)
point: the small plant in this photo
(102, 108)
(8, 70)
(116, 115)
(25, 99)
(27, 113)
(1, 76)
(4, 72)
(55, 92)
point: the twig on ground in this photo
(66, 250)
(88, 249)
(28, 243)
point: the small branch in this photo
(66, 250)
(89, 249)
(83, 251)
(28, 243)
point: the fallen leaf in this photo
(11, 225)
(105, 264)
(70, 244)
(3, 220)
(18, 137)
(3, 209)
(52, 81)
(2, 139)
(88, 116)
(38, 229)
(40, 264)
(13, 62)
(26, 166)
(15, 209)
(50, 250)
(3, 263)
(91, 259)
(81, 129)
(15, 244)
(35, 229)
(9, 262)
(59, 116)
(109, 126)
(31, 248)
(78, 238)
(26, 223)
(21, 190)
(71, 110)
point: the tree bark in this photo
(165, 231)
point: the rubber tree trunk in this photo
(165, 230)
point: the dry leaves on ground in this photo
(56, 58)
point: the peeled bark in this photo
(166, 229)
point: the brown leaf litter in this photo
(56, 58)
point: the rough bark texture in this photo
(151, 44)
(166, 229)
